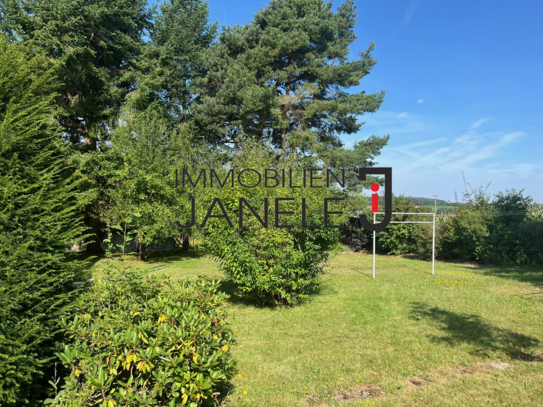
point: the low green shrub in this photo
(273, 265)
(142, 340)
(402, 238)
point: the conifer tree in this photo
(286, 77)
(173, 58)
(39, 217)
(97, 43)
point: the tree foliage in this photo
(173, 58)
(285, 77)
(96, 43)
(38, 221)
(137, 176)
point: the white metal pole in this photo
(374, 247)
(433, 244)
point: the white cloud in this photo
(427, 165)
(408, 147)
(478, 150)
(420, 101)
(462, 153)
(396, 124)
(409, 12)
(478, 123)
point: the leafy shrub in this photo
(356, 237)
(39, 216)
(486, 228)
(467, 233)
(402, 238)
(272, 265)
(142, 340)
(510, 211)
(531, 238)
(425, 240)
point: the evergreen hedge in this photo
(38, 219)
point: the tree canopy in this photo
(96, 42)
(285, 77)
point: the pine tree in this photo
(286, 77)
(97, 43)
(38, 220)
(173, 58)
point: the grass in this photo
(467, 336)
(445, 207)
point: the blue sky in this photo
(464, 86)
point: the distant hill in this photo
(420, 201)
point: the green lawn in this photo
(466, 336)
(445, 207)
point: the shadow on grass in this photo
(89, 260)
(237, 297)
(471, 329)
(174, 255)
(525, 274)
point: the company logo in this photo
(272, 178)
(387, 172)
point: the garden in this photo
(405, 338)
(123, 285)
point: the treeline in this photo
(275, 80)
(430, 202)
(100, 101)
(505, 229)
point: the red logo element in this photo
(375, 198)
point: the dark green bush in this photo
(39, 217)
(530, 235)
(356, 237)
(142, 340)
(402, 238)
(273, 265)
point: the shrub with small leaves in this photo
(143, 340)
(278, 264)
(355, 237)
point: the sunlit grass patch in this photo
(357, 333)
